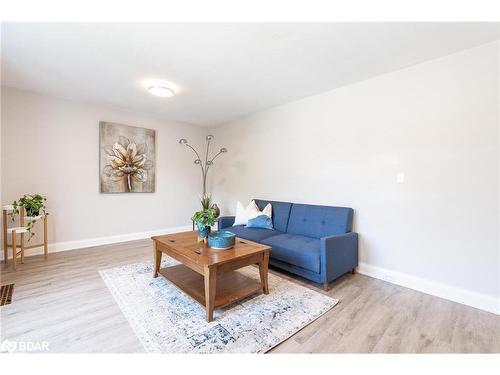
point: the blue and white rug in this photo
(168, 321)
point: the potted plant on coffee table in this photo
(204, 220)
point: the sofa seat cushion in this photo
(252, 234)
(300, 251)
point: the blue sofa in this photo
(314, 242)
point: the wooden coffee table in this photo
(209, 276)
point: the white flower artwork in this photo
(127, 159)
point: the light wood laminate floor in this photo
(64, 301)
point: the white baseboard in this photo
(463, 296)
(80, 244)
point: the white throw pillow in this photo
(243, 214)
(268, 210)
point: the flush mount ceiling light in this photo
(161, 90)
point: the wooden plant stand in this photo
(21, 230)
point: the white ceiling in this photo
(221, 71)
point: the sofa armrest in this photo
(339, 255)
(225, 221)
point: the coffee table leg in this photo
(157, 255)
(263, 270)
(210, 274)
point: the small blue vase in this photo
(203, 233)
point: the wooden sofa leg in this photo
(353, 271)
(325, 286)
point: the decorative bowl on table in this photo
(221, 240)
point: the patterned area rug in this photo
(168, 321)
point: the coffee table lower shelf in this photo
(230, 286)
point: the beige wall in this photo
(436, 122)
(51, 146)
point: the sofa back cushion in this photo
(319, 221)
(281, 213)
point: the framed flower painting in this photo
(127, 158)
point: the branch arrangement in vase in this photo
(206, 202)
(34, 205)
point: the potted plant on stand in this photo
(34, 207)
(204, 220)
